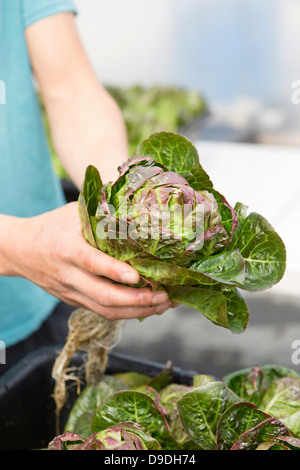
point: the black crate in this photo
(27, 409)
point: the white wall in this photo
(129, 41)
(227, 49)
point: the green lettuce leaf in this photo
(87, 402)
(177, 154)
(201, 409)
(235, 421)
(201, 269)
(282, 400)
(137, 407)
(263, 252)
(271, 429)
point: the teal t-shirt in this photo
(28, 184)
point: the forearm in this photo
(86, 124)
(87, 128)
(9, 227)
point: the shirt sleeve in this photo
(35, 10)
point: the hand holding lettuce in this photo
(164, 217)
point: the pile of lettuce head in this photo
(164, 217)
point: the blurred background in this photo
(242, 56)
(225, 73)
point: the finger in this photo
(96, 262)
(113, 313)
(106, 293)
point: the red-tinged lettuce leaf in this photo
(228, 214)
(292, 442)
(177, 154)
(137, 407)
(271, 429)
(92, 443)
(236, 421)
(65, 441)
(272, 446)
(247, 384)
(126, 436)
(240, 210)
(273, 372)
(138, 161)
(282, 400)
(231, 249)
(263, 251)
(133, 175)
(250, 384)
(201, 409)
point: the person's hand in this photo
(50, 251)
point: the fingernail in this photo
(130, 278)
(160, 298)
